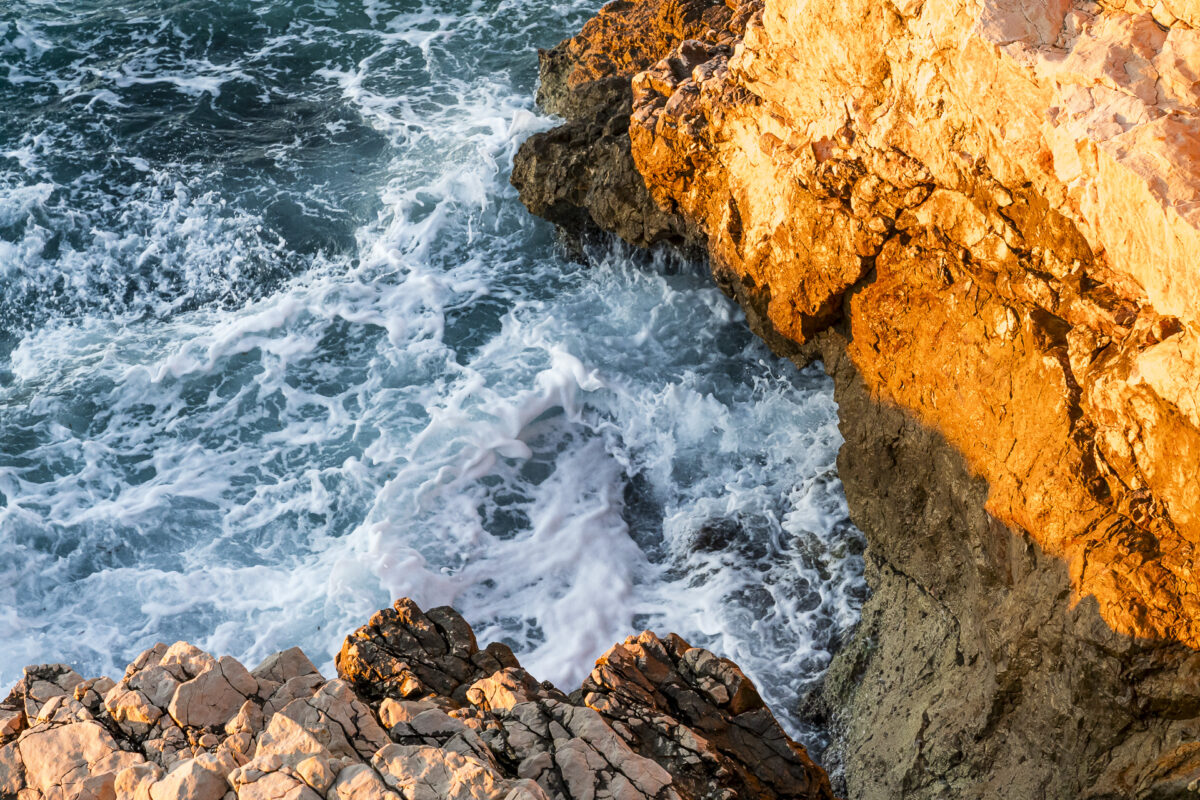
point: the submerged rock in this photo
(418, 712)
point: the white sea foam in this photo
(443, 408)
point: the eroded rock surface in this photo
(984, 215)
(583, 171)
(418, 712)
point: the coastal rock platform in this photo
(418, 712)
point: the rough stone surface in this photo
(419, 712)
(984, 215)
(973, 673)
(690, 711)
(583, 172)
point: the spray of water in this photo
(278, 345)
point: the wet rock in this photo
(404, 654)
(694, 713)
(570, 751)
(581, 174)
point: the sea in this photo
(279, 345)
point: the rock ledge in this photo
(418, 712)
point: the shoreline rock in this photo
(418, 712)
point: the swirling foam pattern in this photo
(278, 344)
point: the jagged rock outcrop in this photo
(418, 712)
(984, 215)
(583, 170)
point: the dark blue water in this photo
(278, 344)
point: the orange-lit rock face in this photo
(997, 384)
(1003, 200)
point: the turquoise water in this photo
(278, 344)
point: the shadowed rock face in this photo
(973, 673)
(418, 712)
(984, 216)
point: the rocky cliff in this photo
(984, 215)
(418, 712)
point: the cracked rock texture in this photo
(984, 216)
(418, 712)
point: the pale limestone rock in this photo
(503, 689)
(288, 733)
(131, 710)
(212, 697)
(433, 726)
(317, 773)
(337, 702)
(240, 743)
(272, 786)
(299, 687)
(155, 682)
(334, 718)
(146, 658)
(186, 660)
(133, 783)
(530, 790)
(91, 693)
(249, 719)
(200, 778)
(62, 709)
(73, 759)
(360, 782)
(283, 666)
(393, 712)
(12, 720)
(12, 770)
(429, 773)
(43, 683)
(286, 737)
